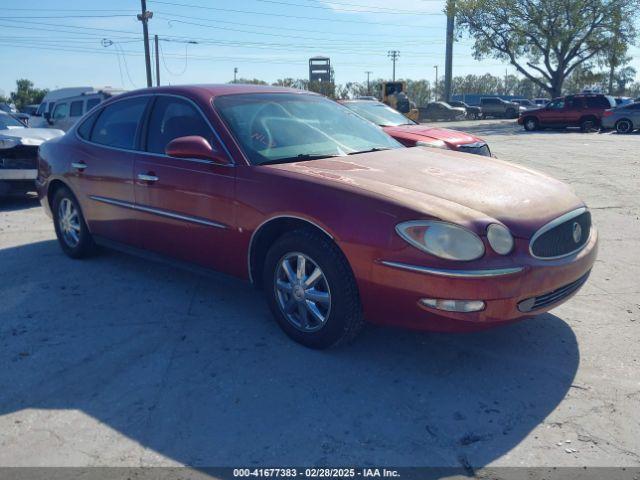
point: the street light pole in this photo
(235, 74)
(155, 39)
(448, 62)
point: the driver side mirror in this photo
(194, 146)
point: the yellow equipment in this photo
(394, 95)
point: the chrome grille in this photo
(19, 157)
(549, 298)
(563, 236)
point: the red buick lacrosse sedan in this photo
(335, 221)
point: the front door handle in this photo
(147, 177)
(79, 165)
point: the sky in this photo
(65, 43)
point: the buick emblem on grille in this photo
(577, 232)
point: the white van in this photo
(69, 110)
(39, 119)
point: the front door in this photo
(187, 205)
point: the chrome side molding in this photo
(156, 211)
(497, 272)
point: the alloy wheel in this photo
(302, 292)
(623, 126)
(69, 222)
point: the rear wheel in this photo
(311, 290)
(588, 124)
(530, 124)
(71, 229)
(624, 126)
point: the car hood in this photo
(419, 132)
(30, 136)
(468, 189)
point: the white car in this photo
(19, 153)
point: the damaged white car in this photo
(19, 153)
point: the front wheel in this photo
(530, 124)
(311, 290)
(71, 229)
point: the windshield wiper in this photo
(299, 158)
(374, 149)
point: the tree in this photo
(26, 94)
(251, 81)
(546, 40)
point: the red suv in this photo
(584, 111)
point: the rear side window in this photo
(76, 109)
(118, 123)
(172, 118)
(92, 102)
(598, 102)
(84, 130)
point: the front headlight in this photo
(500, 238)
(8, 143)
(442, 239)
(433, 144)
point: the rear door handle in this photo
(79, 165)
(145, 177)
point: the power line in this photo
(280, 15)
(321, 7)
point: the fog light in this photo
(453, 305)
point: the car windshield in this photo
(288, 127)
(379, 113)
(7, 122)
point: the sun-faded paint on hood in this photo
(424, 132)
(29, 136)
(437, 183)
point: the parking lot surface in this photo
(119, 361)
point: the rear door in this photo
(102, 168)
(187, 204)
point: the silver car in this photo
(625, 119)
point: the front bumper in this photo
(392, 295)
(17, 174)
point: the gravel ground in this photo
(117, 361)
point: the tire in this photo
(336, 288)
(530, 124)
(624, 126)
(71, 229)
(588, 124)
(471, 116)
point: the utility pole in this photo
(144, 18)
(506, 74)
(235, 74)
(393, 55)
(368, 84)
(448, 64)
(155, 39)
(435, 90)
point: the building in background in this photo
(320, 70)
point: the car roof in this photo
(213, 90)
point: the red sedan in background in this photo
(413, 134)
(334, 219)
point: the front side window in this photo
(287, 127)
(41, 109)
(172, 118)
(75, 110)
(118, 123)
(61, 111)
(379, 113)
(557, 104)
